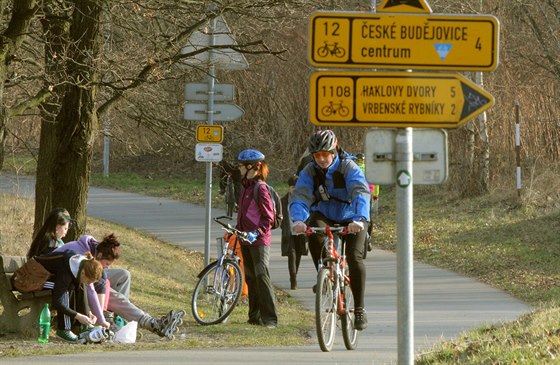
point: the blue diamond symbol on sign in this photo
(443, 49)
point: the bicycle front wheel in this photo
(325, 310)
(349, 333)
(217, 292)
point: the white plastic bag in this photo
(127, 334)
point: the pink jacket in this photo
(256, 217)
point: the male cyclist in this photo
(333, 190)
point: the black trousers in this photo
(296, 248)
(262, 301)
(355, 248)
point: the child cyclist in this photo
(333, 190)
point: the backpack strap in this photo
(256, 193)
(319, 177)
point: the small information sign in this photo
(209, 133)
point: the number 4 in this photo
(478, 44)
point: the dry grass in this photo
(16, 225)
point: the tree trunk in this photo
(63, 171)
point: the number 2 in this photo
(335, 27)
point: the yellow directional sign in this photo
(209, 133)
(404, 6)
(395, 99)
(404, 41)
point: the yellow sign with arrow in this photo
(395, 99)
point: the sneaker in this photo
(360, 319)
(95, 334)
(270, 325)
(67, 336)
(168, 324)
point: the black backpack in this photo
(275, 200)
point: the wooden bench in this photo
(20, 312)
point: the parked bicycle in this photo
(333, 293)
(220, 283)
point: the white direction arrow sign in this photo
(199, 92)
(222, 112)
(226, 58)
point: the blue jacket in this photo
(352, 195)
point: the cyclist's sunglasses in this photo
(248, 166)
(322, 154)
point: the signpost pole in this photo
(405, 274)
(211, 85)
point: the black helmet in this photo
(250, 156)
(324, 140)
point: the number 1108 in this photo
(336, 91)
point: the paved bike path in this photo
(445, 303)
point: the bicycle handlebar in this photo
(229, 228)
(343, 230)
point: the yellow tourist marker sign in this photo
(404, 6)
(210, 133)
(404, 41)
(395, 99)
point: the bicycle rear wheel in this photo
(349, 333)
(217, 292)
(325, 310)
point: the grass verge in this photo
(499, 241)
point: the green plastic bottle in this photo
(44, 324)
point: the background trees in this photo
(68, 65)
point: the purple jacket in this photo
(81, 246)
(256, 217)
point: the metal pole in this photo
(518, 147)
(405, 274)
(210, 114)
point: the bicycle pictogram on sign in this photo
(335, 109)
(332, 49)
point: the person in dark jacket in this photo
(69, 271)
(256, 218)
(293, 246)
(226, 169)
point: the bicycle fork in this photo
(341, 305)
